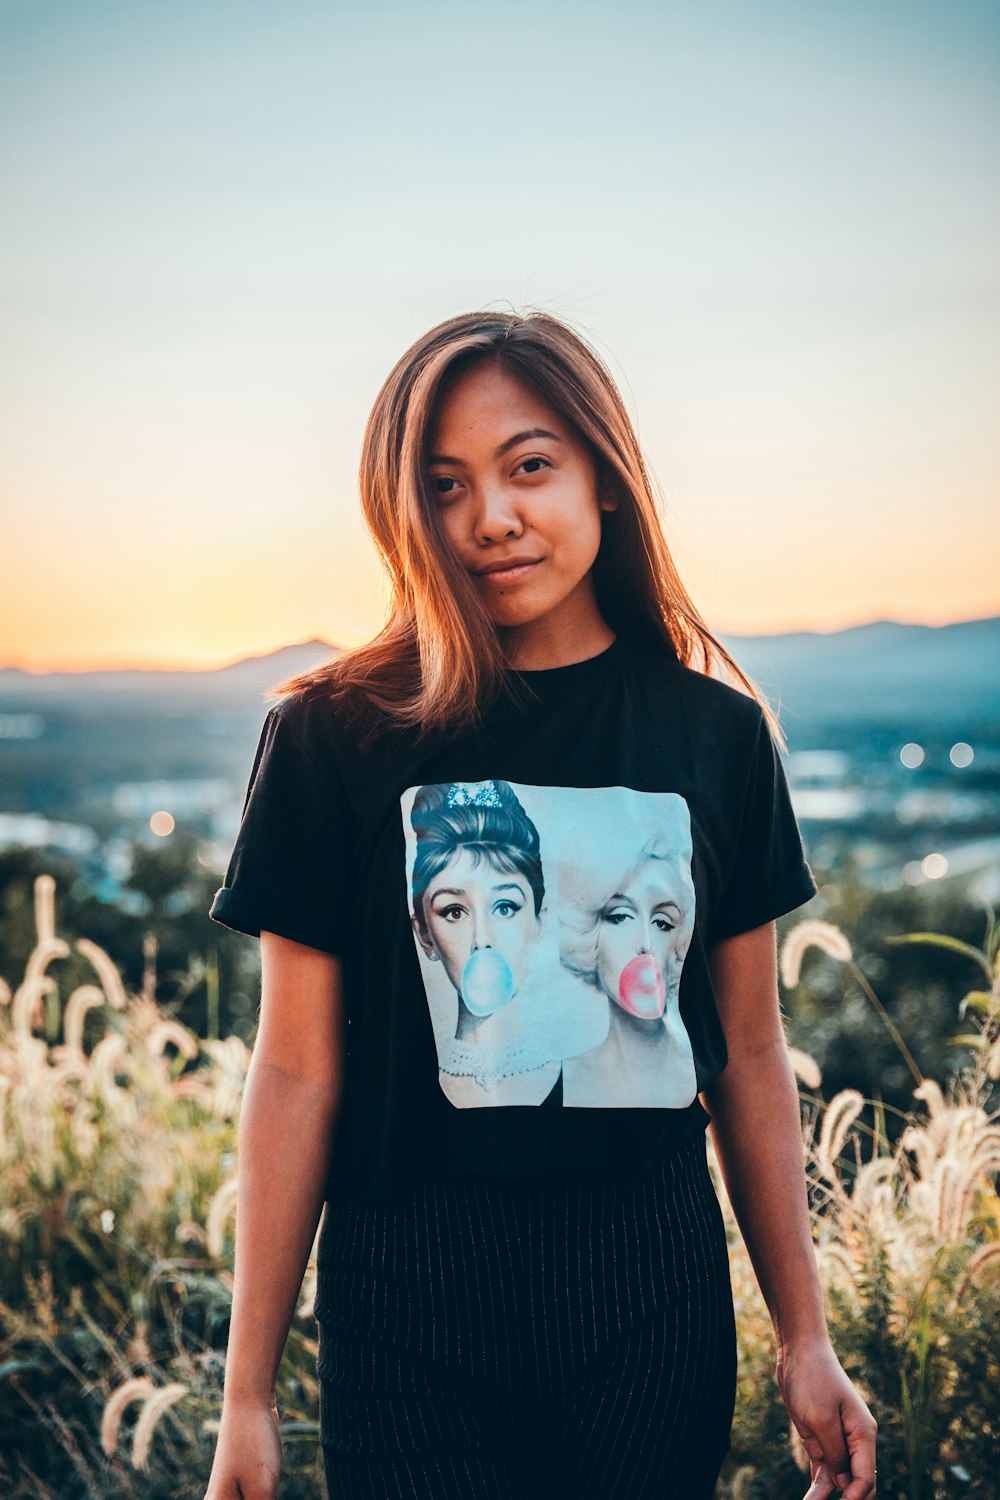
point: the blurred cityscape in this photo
(893, 733)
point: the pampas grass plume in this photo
(136, 1389)
(222, 1205)
(107, 973)
(841, 1113)
(805, 1068)
(84, 998)
(812, 933)
(150, 1415)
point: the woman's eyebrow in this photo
(505, 447)
(460, 891)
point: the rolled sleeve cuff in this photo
(793, 892)
(250, 913)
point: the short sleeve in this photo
(288, 872)
(769, 874)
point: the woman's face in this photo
(641, 926)
(482, 926)
(518, 493)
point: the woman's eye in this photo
(438, 480)
(616, 918)
(506, 909)
(452, 913)
(543, 461)
(663, 923)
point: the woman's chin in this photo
(482, 1009)
(651, 1010)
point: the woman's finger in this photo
(861, 1432)
(822, 1486)
(833, 1451)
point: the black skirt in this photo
(563, 1334)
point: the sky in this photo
(221, 224)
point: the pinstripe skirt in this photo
(564, 1334)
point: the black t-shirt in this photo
(523, 911)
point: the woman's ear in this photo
(607, 484)
(422, 937)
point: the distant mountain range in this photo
(248, 678)
(885, 672)
(882, 672)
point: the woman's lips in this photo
(509, 575)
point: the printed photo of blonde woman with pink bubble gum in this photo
(626, 918)
(477, 909)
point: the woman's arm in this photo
(757, 1133)
(287, 1122)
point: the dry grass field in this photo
(118, 1170)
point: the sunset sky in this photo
(221, 223)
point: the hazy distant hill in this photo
(882, 672)
(246, 679)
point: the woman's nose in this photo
(483, 930)
(498, 517)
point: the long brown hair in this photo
(439, 660)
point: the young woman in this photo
(533, 1299)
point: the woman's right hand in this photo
(247, 1463)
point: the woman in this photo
(534, 1300)
(626, 918)
(477, 891)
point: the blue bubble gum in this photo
(487, 982)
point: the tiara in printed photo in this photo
(473, 794)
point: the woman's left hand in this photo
(837, 1429)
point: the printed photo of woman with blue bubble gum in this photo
(477, 909)
(626, 919)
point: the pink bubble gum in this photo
(640, 988)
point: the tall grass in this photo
(907, 1241)
(117, 1153)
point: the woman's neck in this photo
(537, 648)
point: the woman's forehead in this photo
(472, 407)
(480, 867)
(654, 876)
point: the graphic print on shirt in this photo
(552, 925)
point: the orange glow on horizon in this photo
(208, 661)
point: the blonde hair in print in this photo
(601, 856)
